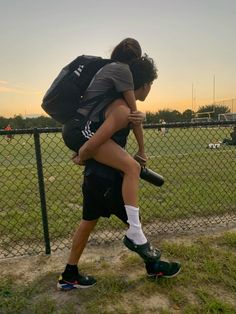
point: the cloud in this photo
(5, 87)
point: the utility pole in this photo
(192, 97)
(213, 89)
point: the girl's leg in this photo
(111, 154)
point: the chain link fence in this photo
(41, 200)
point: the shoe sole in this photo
(164, 276)
(59, 287)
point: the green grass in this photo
(198, 182)
(206, 284)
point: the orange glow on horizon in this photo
(30, 104)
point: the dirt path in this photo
(28, 268)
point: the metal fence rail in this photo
(41, 201)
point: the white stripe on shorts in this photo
(87, 133)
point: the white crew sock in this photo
(135, 232)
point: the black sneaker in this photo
(79, 281)
(162, 269)
(145, 250)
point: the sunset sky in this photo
(191, 41)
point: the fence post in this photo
(42, 191)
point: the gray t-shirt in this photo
(115, 77)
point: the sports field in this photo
(199, 182)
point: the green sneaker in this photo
(163, 269)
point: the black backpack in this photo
(64, 96)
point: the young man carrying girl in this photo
(102, 195)
(92, 135)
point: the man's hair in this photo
(127, 50)
(143, 71)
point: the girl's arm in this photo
(130, 100)
(138, 133)
(137, 128)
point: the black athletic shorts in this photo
(102, 198)
(77, 131)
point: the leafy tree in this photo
(187, 115)
(3, 122)
(170, 115)
(18, 122)
(152, 117)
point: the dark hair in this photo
(143, 71)
(127, 50)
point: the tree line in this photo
(168, 115)
(209, 111)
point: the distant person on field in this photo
(163, 129)
(8, 136)
(231, 141)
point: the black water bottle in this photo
(151, 176)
